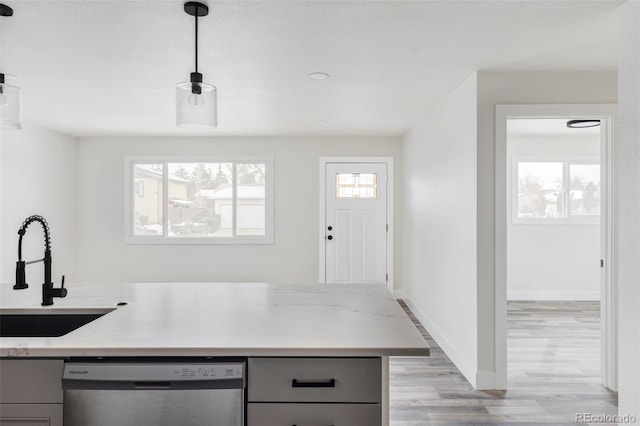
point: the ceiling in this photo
(91, 67)
(548, 127)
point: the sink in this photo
(49, 323)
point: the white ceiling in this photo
(548, 127)
(110, 67)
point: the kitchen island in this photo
(270, 324)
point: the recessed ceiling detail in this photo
(318, 76)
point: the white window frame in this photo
(566, 161)
(129, 192)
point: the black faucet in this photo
(48, 292)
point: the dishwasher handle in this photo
(70, 384)
(153, 375)
(152, 385)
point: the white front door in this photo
(356, 223)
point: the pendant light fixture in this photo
(195, 100)
(10, 96)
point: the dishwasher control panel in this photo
(208, 371)
(145, 371)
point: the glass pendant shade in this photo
(196, 110)
(10, 106)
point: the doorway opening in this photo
(555, 296)
(356, 220)
(555, 184)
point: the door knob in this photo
(330, 228)
(330, 237)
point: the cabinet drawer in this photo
(313, 414)
(31, 415)
(31, 381)
(314, 380)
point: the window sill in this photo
(198, 241)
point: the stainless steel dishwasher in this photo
(152, 393)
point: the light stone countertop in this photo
(221, 319)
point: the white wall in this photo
(551, 261)
(104, 257)
(516, 88)
(1, 205)
(440, 224)
(628, 173)
(38, 177)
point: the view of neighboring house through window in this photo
(216, 201)
(556, 191)
(148, 199)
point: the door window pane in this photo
(540, 193)
(356, 185)
(250, 199)
(147, 199)
(585, 189)
(200, 199)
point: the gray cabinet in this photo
(30, 414)
(313, 414)
(30, 392)
(314, 391)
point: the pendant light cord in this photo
(196, 18)
(196, 10)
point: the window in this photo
(356, 185)
(556, 191)
(199, 200)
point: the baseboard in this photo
(456, 356)
(485, 380)
(553, 295)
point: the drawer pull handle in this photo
(331, 383)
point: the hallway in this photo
(554, 367)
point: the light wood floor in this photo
(554, 368)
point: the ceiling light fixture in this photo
(581, 124)
(196, 101)
(318, 76)
(10, 96)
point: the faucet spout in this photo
(21, 282)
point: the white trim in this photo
(609, 287)
(500, 249)
(234, 199)
(390, 222)
(553, 295)
(457, 357)
(485, 380)
(606, 113)
(129, 238)
(390, 207)
(322, 254)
